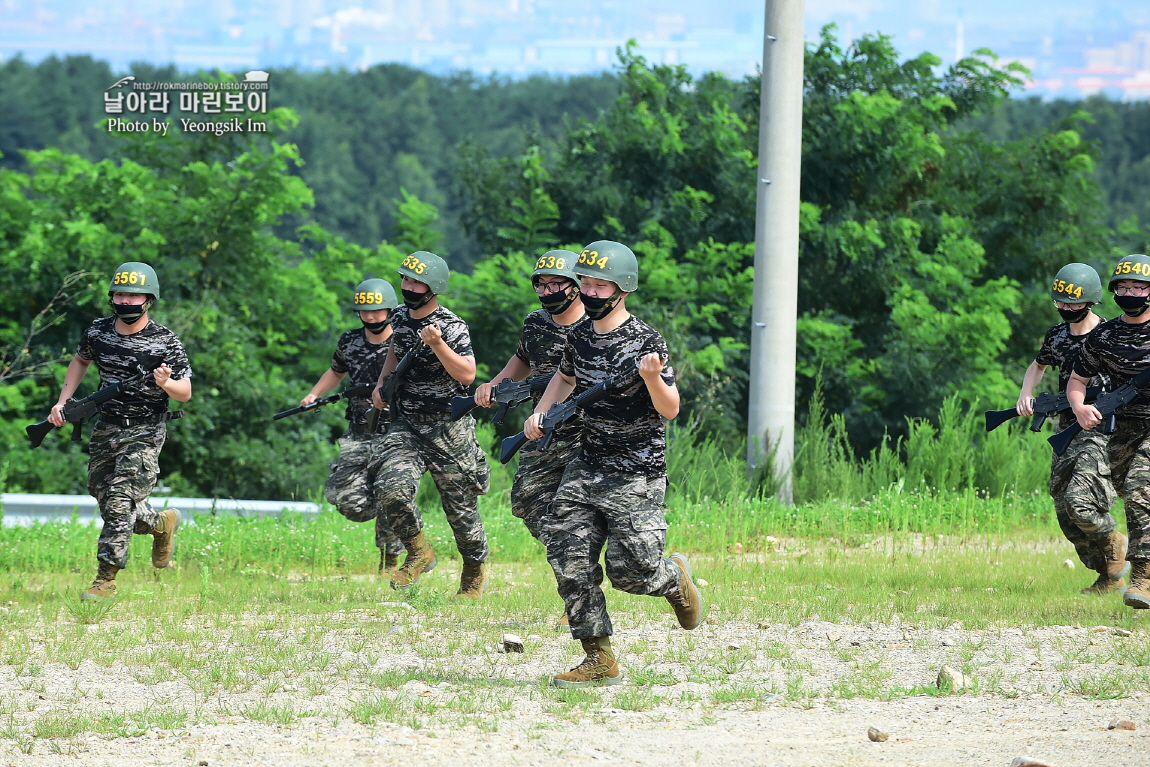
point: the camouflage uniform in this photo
(537, 479)
(124, 452)
(423, 438)
(614, 491)
(1080, 482)
(349, 486)
(1108, 351)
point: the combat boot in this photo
(162, 535)
(472, 581)
(387, 562)
(105, 584)
(598, 668)
(564, 622)
(420, 559)
(686, 600)
(1110, 576)
(1138, 592)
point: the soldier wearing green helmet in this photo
(124, 452)
(612, 493)
(422, 437)
(360, 353)
(1080, 482)
(1119, 350)
(541, 344)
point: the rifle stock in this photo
(995, 418)
(37, 431)
(461, 406)
(1062, 439)
(510, 446)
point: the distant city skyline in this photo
(1072, 48)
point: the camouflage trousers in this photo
(537, 480)
(123, 466)
(351, 485)
(417, 444)
(623, 511)
(1129, 452)
(1083, 494)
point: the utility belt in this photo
(147, 420)
(361, 430)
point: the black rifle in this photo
(76, 411)
(507, 393)
(390, 386)
(557, 414)
(358, 390)
(1045, 406)
(1107, 405)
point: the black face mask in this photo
(557, 303)
(1132, 306)
(1073, 315)
(130, 314)
(413, 300)
(598, 308)
(376, 327)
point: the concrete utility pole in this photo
(771, 415)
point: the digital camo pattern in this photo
(1083, 493)
(415, 444)
(363, 361)
(1059, 350)
(1129, 452)
(117, 357)
(623, 431)
(625, 511)
(123, 466)
(428, 387)
(537, 480)
(1118, 350)
(351, 485)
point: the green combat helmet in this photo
(135, 277)
(1133, 267)
(427, 268)
(1076, 284)
(373, 294)
(607, 260)
(560, 263)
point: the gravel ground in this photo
(728, 693)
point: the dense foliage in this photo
(934, 211)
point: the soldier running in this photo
(541, 346)
(1080, 481)
(422, 436)
(124, 453)
(613, 492)
(361, 352)
(1120, 349)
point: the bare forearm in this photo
(515, 369)
(180, 390)
(558, 390)
(460, 368)
(1076, 391)
(665, 398)
(72, 378)
(328, 381)
(1032, 378)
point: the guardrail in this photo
(27, 508)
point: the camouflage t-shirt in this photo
(118, 356)
(621, 432)
(1118, 350)
(427, 388)
(1059, 349)
(541, 346)
(363, 360)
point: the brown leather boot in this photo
(472, 581)
(162, 535)
(1138, 592)
(687, 600)
(1110, 577)
(598, 668)
(104, 586)
(387, 562)
(420, 559)
(564, 622)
